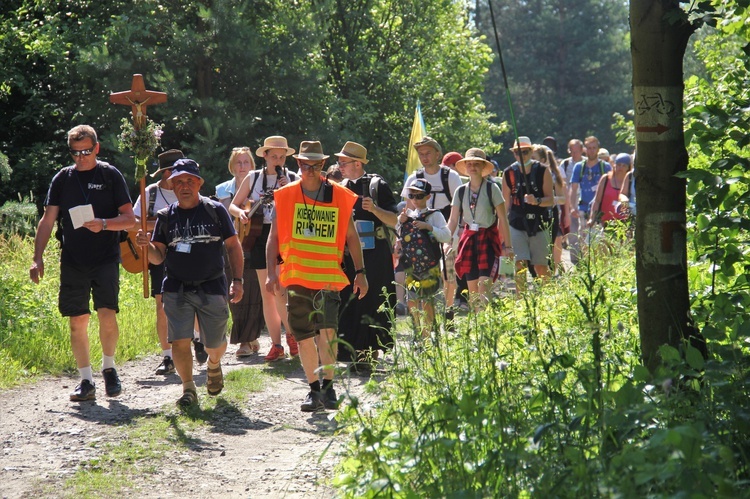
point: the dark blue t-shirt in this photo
(195, 246)
(104, 188)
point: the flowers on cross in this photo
(142, 143)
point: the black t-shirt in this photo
(104, 188)
(194, 240)
(386, 200)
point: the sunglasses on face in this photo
(421, 195)
(307, 166)
(83, 152)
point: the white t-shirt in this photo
(259, 189)
(438, 200)
(164, 197)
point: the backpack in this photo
(444, 174)
(373, 189)
(108, 174)
(420, 251)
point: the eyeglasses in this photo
(421, 195)
(344, 163)
(308, 166)
(83, 152)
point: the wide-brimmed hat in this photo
(274, 142)
(311, 150)
(355, 151)
(474, 154)
(167, 159)
(523, 142)
(603, 153)
(186, 166)
(428, 141)
(421, 185)
(450, 158)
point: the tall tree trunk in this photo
(659, 34)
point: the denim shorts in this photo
(212, 312)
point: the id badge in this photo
(183, 248)
(474, 227)
(308, 232)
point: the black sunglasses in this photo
(416, 196)
(82, 152)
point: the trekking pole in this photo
(510, 107)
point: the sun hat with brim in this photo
(474, 154)
(167, 159)
(523, 142)
(603, 154)
(354, 151)
(428, 141)
(186, 166)
(311, 150)
(274, 142)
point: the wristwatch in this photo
(241, 280)
(538, 201)
(104, 224)
(360, 271)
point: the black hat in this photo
(167, 159)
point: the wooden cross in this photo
(138, 98)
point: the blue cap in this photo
(185, 166)
(623, 157)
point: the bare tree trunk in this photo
(658, 44)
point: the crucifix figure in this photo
(138, 98)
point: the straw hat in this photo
(523, 142)
(311, 150)
(274, 142)
(355, 151)
(474, 154)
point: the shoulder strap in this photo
(419, 173)
(489, 192)
(373, 189)
(444, 173)
(152, 201)
(255, 181)
(460, 192)
(211, 209)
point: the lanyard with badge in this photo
(182, 246)
(473, 202)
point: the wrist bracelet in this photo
(360, 271)
(239, 279)
(104, 224)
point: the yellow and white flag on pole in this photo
(417, 132)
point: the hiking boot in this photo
(313, 403)
(85, 390)
(166, 366)
(200, 352)
(112, 384)
(276, 353)
(330, 400)
(292, 343)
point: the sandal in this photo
(214, 380)
(189, 397)
(244, 351)
(255, 346)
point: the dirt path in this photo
(265, 447)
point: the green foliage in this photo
(18, 218)
(568, 66)
(546, 397)
(35, 339)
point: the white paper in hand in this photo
(81, 214)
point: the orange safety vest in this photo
(312, 259)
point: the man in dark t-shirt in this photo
(189, 237)
(90, 203)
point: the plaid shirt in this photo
(474, 246)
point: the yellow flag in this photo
(417, 132)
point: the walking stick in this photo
(138, 98)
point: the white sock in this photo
(107, 361)
(167, 353)
(86, 373)
(196, 334)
